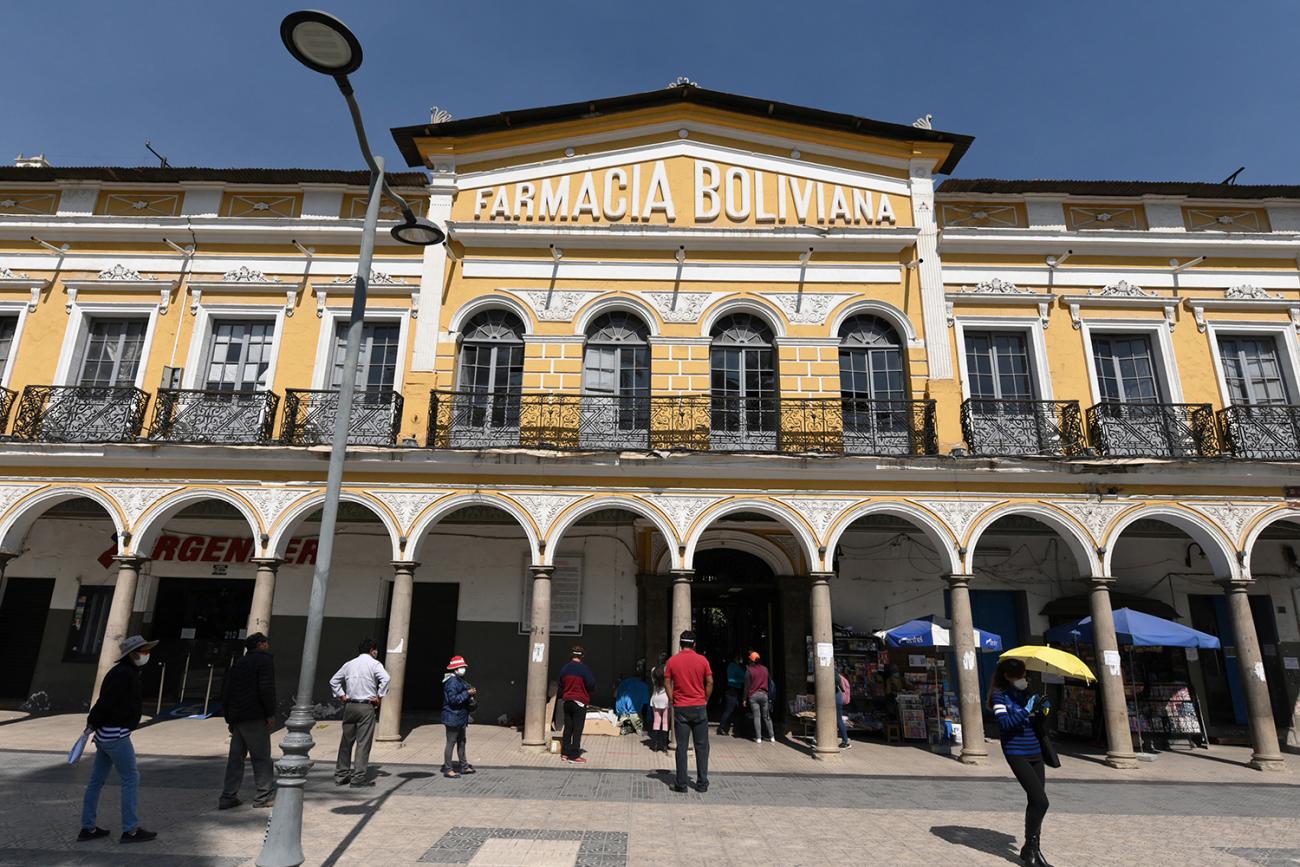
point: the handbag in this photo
(1050, 758)
(472, 704)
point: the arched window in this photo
(616, 382)
(871, 360)
(486, 411)
(872, 389)
(492, 353)
(617, 358)
(743, 383)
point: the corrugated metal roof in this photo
(764, 108)
(155, 175)
(1122, 188)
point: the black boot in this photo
(1029, 855)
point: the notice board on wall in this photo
(566, 597)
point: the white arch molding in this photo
(609, 303)
(470, 309)
(884, 310)
(945, 544)
(293, 518)
(1081, 545)
(630, 504)
(742, 304)
(782, 514)
(777, 559)
(18, 522)
(1262, 524)
(1218, 549)
(447, 505)
(151, 523)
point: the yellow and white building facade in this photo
(687, 359)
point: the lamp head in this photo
(417, 232)
(321, 42)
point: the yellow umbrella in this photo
(1039, 658)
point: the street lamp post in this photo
(324, 44)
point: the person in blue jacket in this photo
(457, 702)
(1015, 708)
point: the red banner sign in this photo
(219, 549)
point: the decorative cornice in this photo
(820, 512)
(377, 278)
(805, 307)
(135, 500)
(957, 514)
(122, 272)
(270, 503)
(406, 506)
(245, 274)
(1121, 289)
(19, 280)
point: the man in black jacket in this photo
(249, 701)
(112, 719)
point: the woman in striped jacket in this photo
(1014, 708)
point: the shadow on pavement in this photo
(981, 839)
(367, 810)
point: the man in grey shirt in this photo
(361, 684)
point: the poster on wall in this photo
(566, 597)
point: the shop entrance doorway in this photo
(22, 624)
(734, 608)
(200, 626)
(1225, 699)
(432, 642)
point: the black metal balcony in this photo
(1016, 428)
(688, 422)
(8, 397)
(80, 413)
(216, 417)
(309, 417)
(1153, 430)
(1269, 432)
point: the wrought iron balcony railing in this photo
(309, 417)
(1269, 432)
(218, 417)
(689, 422)
(80, 413)
(8, 397)
(1153, 430)
(1013, 428)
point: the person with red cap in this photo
(458, 699)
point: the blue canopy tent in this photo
(1135, 629)
(934, 631)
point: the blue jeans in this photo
(839, 718)
(120, 755)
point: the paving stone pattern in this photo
(595, 849)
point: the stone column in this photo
(681, 621)
(1263, 731)
(823, 633)
(536, 725)
(259, 613)
(119, 617)
(1119, 741)
(965, 651)
(397, 651)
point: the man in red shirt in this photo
(689, 682)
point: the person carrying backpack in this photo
(842, 696)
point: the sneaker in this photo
(578, 760)
(468, 769)
(680, 789)
(701, 787)
(91, 834)
(343, 782)
(846, 746)
(758, 740)
(564, 758)
(139, 835)
(264, 805)
(224, 804)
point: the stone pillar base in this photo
(827, 754)
(1122, 762)
(388, 739)
(1273, 764)
(968, 758)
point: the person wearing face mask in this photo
(1014, 708)
(458, 699)
(112, 719)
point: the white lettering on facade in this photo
(741, 194)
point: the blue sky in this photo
(1159, 89)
